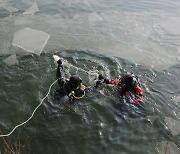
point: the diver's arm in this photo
(102, 79)
(113, 81)
(60, 73)
(139, 92)
(109, 81)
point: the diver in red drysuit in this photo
(128, 84)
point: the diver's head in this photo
(74, 82)
(129, 80)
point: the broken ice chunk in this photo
(30, 40)
(166, 147)
(32, 10)
(151, 119)
(91, 18)
(11, 60)
(178, 115)
(11, 9)
(172, 25)
(176, 99)
(94, 17)
(173, 125)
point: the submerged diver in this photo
(128, 85)
(72, 87)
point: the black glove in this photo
(98, 83)
(106, 81)
(59, 62)
(101, 77)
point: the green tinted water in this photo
(93, 124)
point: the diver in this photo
(128, 84)
(72, 87)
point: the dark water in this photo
(97, 123)
(91, 124)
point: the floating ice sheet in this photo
(11, 9)
(90, 18)
(11, 60)
(30, 40)
(168, 148)
(32, 10)
(173, 125)
(94, 17)
(172, 25)
(104, 33)
(178, 115)
(29, 2)
(151, 119)
(176, 99)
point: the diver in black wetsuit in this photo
(72, 87)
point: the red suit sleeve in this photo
(139, 91)
(139, 95)
(114, 81)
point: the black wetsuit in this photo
(62, 82)
(66, 87)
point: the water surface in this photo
(91, 37)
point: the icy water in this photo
(91, 37)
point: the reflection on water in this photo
(91, 36)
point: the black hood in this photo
(74, 81)
(130, 81)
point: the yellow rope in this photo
(76, 97)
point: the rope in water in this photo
(23, 123)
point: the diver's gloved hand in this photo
(106, 81)
(59, 62)
(57, 59)
(101, 77)
(98, 83)
(100, 80)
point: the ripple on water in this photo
(91, 124)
